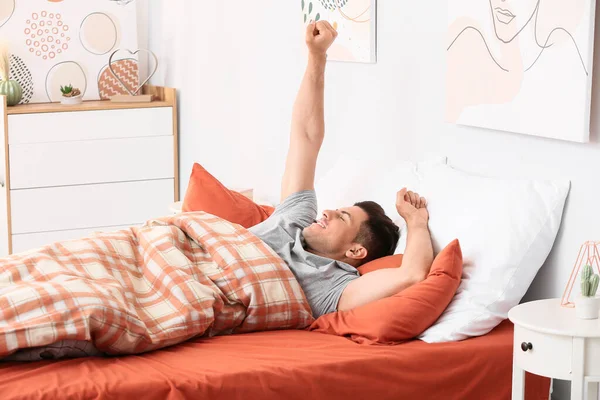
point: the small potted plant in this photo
(588, 305)
(71, 95)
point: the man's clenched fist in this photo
(411, 206)
(319, 37)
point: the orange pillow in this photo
(206, 193)
(394, 261)
(405, 315)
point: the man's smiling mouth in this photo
(321, 223)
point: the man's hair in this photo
(378, 234)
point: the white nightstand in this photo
(550, 341)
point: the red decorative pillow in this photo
(394, 261)
(206, 193)
(405, 315)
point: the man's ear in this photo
(356, 252)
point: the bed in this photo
(283, 365)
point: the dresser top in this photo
(548, 316)
(85, 106)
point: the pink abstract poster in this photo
(60, 42)
(521, 66)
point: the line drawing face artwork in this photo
(500, 53)
(508, 25)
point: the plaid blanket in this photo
(141, 289)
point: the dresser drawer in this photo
(30, 241)
(550, 355)
(88, 206)
(93, 161)
(89, 125)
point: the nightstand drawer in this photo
(549, 356)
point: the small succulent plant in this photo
(589, 282)
(69, 91)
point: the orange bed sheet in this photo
(283, 365)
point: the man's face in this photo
(511, 16)
(334, 233)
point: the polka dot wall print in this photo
(98, 33)
(7, 9)
(21, 73)
(46, 34)
(332, 5)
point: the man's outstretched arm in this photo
(416, 262)
(308, 119)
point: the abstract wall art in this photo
(521, 66)
(356, 23)
(61, 42)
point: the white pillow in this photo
(506, 229)
(353, 179)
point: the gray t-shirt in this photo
(323, 280)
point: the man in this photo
(323, 254)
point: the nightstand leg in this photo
(577, 373)
(518, 383)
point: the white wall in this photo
(238, 69)
(143, 22)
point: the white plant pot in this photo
(587, 307)
(69, 101)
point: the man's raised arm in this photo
(308, 120)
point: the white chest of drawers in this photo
(69, 171)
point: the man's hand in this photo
(411, 206)
(319, 37)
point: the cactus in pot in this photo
(588, 305)
(589, 282)
(594, 281)
(8, 87)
